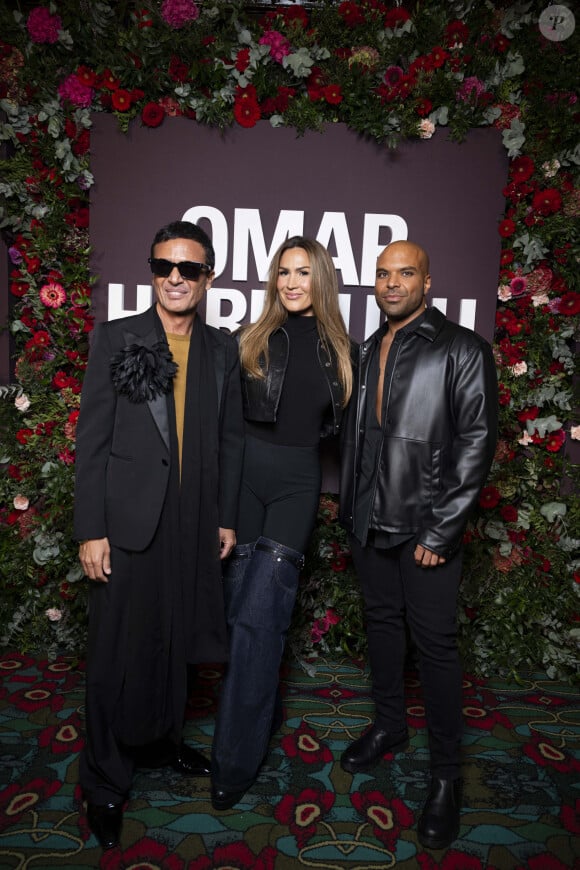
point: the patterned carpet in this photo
(521, 795)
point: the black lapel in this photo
(158, 405)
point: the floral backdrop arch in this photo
(389, 72)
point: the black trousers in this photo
(280, 493)
(396, 590)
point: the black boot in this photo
(371, 747)
(105, 821)
(439, 823)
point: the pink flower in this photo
(52, 295)
(504, 293)
(426, 128)
(20, 503)
(519, 368)
(518, 285)
(393, 75)
(575, 433)
(540, 299)
(54, 614)
(42, 26)
(75, 92)
(279, 45)
(471, 87)
(177, 13)
(22, 403)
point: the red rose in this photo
(152, 114)
(521, 169)
(86, 76)
(32, 263)
(246, 112)
(438, 57)
(528, 414)
(108, 80)
(505, 395)
(178, 70)
(547, 201)
(243, 59)
(489, 497)
(507, 228)
(19, 288)
(396, 16)
(501, 43)
(507, 257)
(121, 100)
(509, 513)
(424, 107)
(23, 435)
(332, 94)
(351, 14)
(82, 144)
(456, 33)
(569, 304)
(555, 440)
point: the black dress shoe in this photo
(188, 760)
(221, 799)
(105, 822)
(439, 823)
(371, 747)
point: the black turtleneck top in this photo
(305, 393)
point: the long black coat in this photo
(123, 447)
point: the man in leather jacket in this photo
(417, 444)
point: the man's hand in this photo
(95, 557)
(227, 542)
(427, 558)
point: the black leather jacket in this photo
(261, 396)
(439, 433)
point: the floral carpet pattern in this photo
(521, 767)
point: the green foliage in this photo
(389, 74)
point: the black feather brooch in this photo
(142, 373)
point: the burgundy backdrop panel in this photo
(252, 188)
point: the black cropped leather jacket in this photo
(439, 434)
(261, 396)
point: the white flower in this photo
(504, 293)
(20, 503)
(426, 128)
(519, 368)
(540, 299)
(54, 614)
(22, 402)
(525, 439)
(550, 168)
(575, 433)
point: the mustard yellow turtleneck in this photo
(179, 347)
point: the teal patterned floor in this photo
(521, 794)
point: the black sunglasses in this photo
(186, 268)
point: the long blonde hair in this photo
(324, 294)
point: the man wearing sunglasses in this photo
(158, 461)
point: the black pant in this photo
(280, 493)
(394, 589)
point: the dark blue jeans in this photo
(260, 591)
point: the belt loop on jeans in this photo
(297, 561)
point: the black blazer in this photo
(122, 447)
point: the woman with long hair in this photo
(296, 381)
